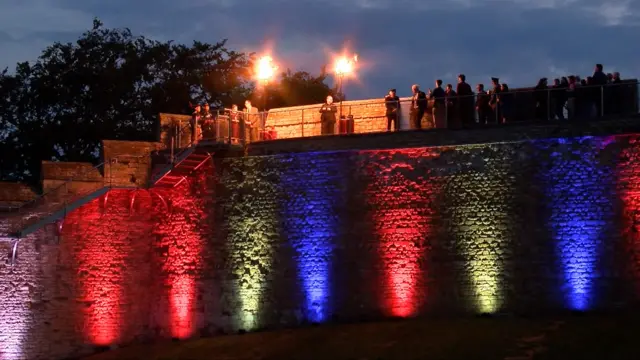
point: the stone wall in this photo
(128, 163)
(56, 174)
(14, 194)
(269, 241)
(298, 121)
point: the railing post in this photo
(66, 195)
(601, 101)
(171, 159)
(446, 113)
(177, 134)
(548, 104)
(302, 124)
(636, 99)
(243, 128)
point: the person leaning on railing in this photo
(541, 97)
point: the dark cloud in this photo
(401, 42)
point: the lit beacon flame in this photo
(345, 65)
(266, 69)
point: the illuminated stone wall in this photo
(291, 122)
(282, 240)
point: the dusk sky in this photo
(400, 42)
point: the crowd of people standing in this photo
(444, 106)
(204, 124)
(568, 98)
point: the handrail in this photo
(526, 90)
(516, 105)
(32, 205)
(174, 159)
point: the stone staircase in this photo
(75, 189)
(185, 163)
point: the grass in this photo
(563, 337)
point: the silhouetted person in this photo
(571, 98)
(236, 122)
(392, 103)
(418, 106)
(451, 100)
(252, 122)
(616, 78)
(506, 103)
(599, 81)
(594, 98)
(583, 99)
(541, 97)
(493, 100)
(208, 129)
(328, 116)
(465, 102)
(482, 105)
(439, 111)
(558, 99)
(196, 122)
(617, 94)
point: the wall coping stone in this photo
(509, 133)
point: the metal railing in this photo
(584, 102)
(68, 195)
(544, 105)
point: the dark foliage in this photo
(110, 84)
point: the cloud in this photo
(21, 18)
(616, 13)
(401, 42)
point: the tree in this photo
(295, 89)
(110, 84)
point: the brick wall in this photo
(14, 194)
(291, 122)
(123, 164)
(56, 173)
(270, 241)
(128, 163)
